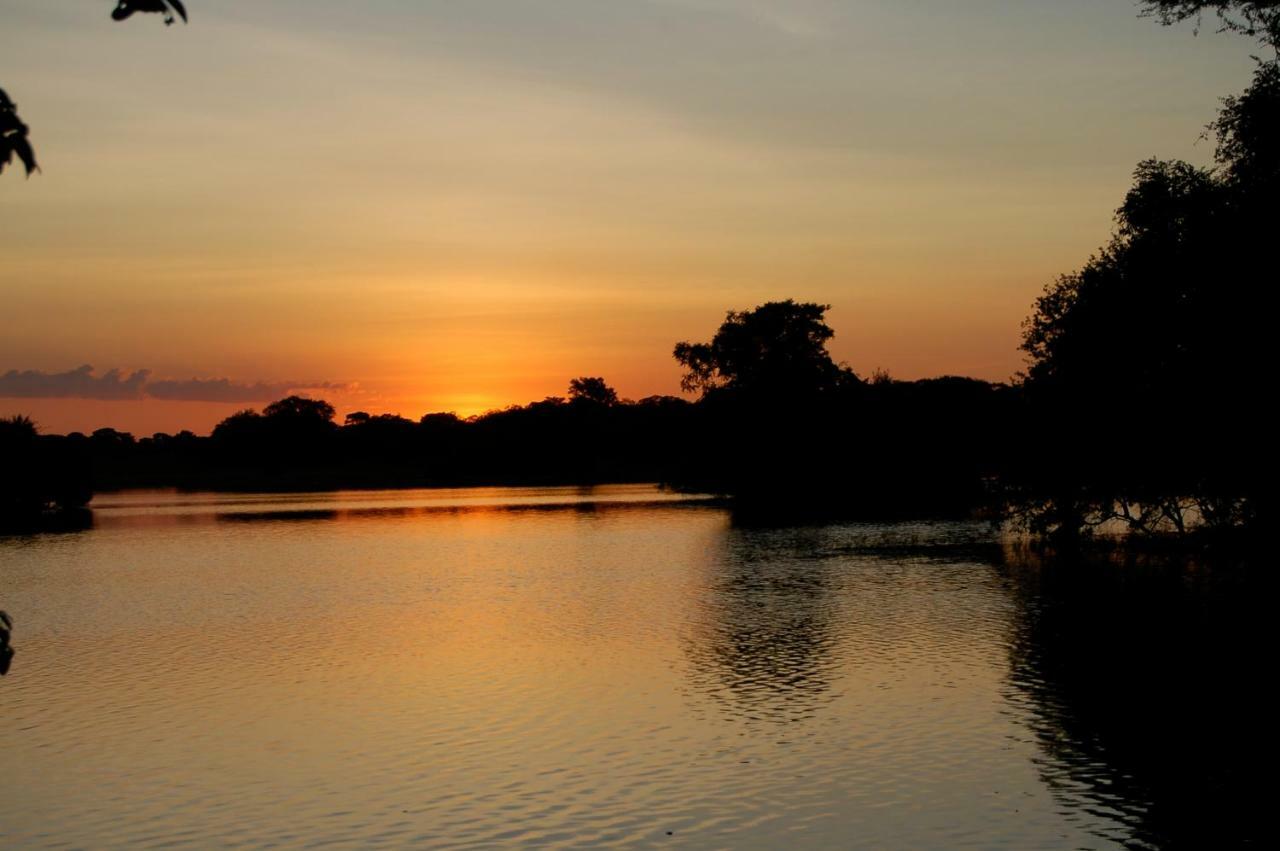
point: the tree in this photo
(41, 477)
(240, 427)
(1247, 129)
(1117, 322)
(17, 430)
(1170, 298)
(778, 348)
(1147, 366)
(593, 391)
(289, 434)
(301, 409)
(1258, 18)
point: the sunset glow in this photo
(461, 206)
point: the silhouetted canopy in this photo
(1260, 18)
(592, 390)
(779, 347)
(1148, 365)
(300, 408)
(1168, 303)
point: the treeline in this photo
(41, 475)
(297, 444)
(884, 447)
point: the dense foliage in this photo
(778, 350)
(39, 474)
(1147, 362)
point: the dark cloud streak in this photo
(78, 383)
(82, 383)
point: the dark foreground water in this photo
(609, 667)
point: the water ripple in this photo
(645, 675)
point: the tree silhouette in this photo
(1166, 296)
(1146, 363)
(40, 476)
(592, 390)
(1258, 18)
(1247, 129)
(778, 348)
(300, 408)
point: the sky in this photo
(408, 206)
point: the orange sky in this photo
(445, 206)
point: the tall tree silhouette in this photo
(1146, 364)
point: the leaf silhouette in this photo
(13, 137)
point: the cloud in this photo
(226, 390)
(81, 383)
(78, 383)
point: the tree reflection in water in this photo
(790, 611)
(763, 650)
(1142, 686)
(1144, 689)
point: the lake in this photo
(611, 666)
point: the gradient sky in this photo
(417, 205)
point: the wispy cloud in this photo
(226, 390)
(83, 383)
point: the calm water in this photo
(583, 668)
